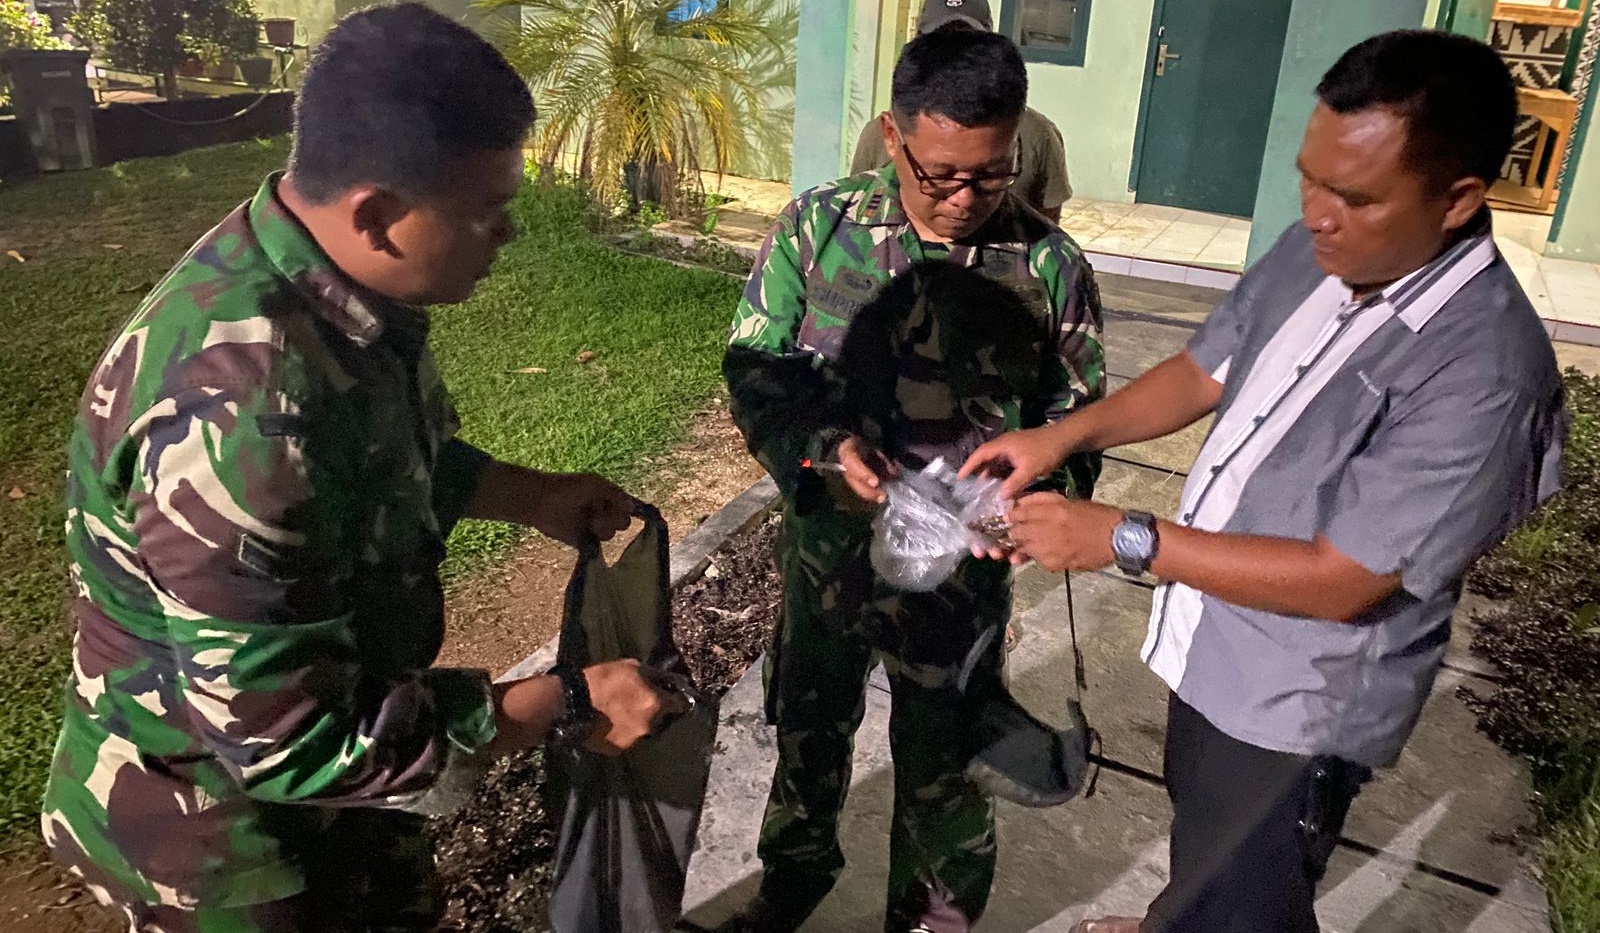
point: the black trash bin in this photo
(50, 94)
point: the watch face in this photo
(1133, 543)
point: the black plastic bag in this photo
(628, 823)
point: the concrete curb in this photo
(691, 240)
(690, 557)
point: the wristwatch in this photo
(577, 711)
(1134, 543)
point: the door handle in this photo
(1162, 56)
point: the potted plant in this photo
(169, 37)
(221, 34)
(280, 32)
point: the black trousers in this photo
(1252, 831)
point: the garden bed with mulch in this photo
(495, 854)
(1544, 637)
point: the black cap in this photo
(940, 13)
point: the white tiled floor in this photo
(1154, 232)
(1140, 239)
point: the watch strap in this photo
(577, 709)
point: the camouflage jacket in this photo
(850, 324)
(261, 478)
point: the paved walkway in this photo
(1426, 845)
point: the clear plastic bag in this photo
(933, 520)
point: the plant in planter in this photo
(280, 31)
(158, 37)
(221, 34)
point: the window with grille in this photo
(1052, 31)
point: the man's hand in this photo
(565, 506)
(1060, 534)
(860, 486)
(569, 506)
(628, 706)
(1021, 457)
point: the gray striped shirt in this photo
(1414, 429)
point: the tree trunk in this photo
(169, 83)
(651, 180)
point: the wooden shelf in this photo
(1509, 195)
(1543, 15)
(1556, 111)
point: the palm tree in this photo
(648, 92)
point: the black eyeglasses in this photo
(943, 187)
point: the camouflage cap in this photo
(937, 14)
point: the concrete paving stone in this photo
(1129, 240)
(1366, 895)
(1186, 304)
(1149, 269)
(1450, 804)
(1139, 487)
(1098, 214)
(1107, 263)
(1187, 237)
(1159, 212)
(1173, 452)
(1164, 256)
(1583, 357)
(1133, 346)
(1476, 793)
(1085, 228)
(1229, 246)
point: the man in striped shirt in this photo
(1387, 408)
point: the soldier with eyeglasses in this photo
(1041, 179)
(892, 318)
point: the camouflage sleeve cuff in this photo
(455, 480)
(467, 712)
(466, 707)
(824, 445)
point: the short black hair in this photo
(392, 94)
(972, 77)
(1457, 96)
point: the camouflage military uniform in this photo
(850, 324)
(261, 479)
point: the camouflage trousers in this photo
(371, 872)
(837, 620)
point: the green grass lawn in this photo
(94, 242)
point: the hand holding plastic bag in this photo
(932, 520)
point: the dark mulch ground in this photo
(494, 855)
(724, 620)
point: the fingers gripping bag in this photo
(934, 518)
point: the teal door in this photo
(1213, 71)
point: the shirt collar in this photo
(1417, 297)
(879, 205)
(352, 310)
